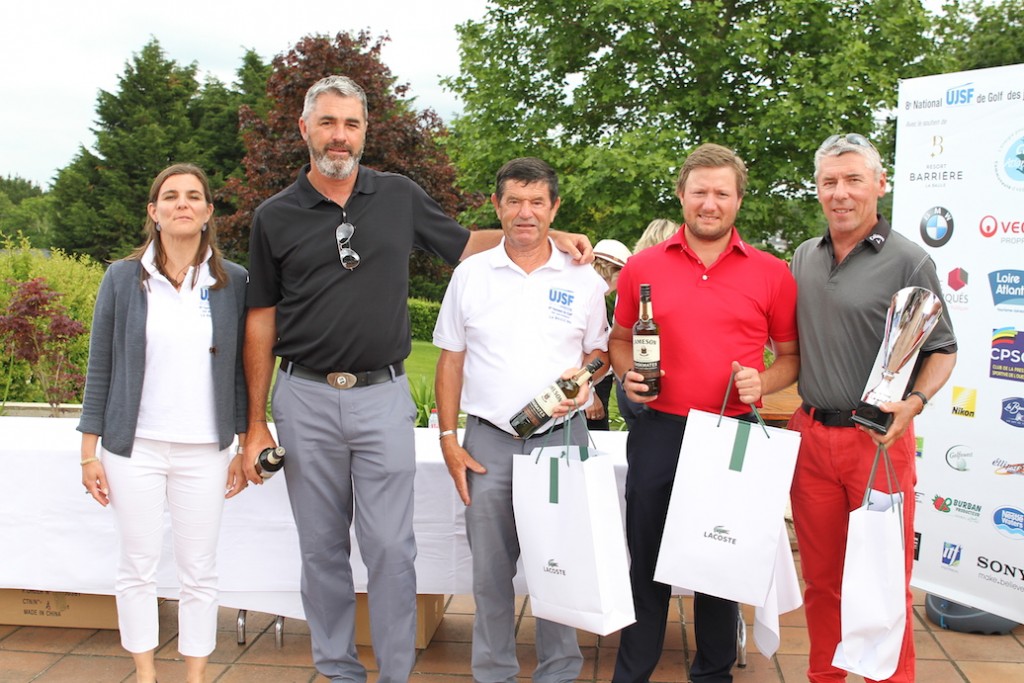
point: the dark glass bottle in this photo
(538, 411)
(647, 345)
(269, 461)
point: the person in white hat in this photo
(609, 258)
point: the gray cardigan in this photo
(117, 357)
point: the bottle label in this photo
(548, 400)
(646, 352)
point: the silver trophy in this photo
(912, 316)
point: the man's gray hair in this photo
(339, 85)
(837, 145)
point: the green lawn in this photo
(422, 361)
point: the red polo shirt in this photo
(709, 316)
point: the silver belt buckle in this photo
(341, 380)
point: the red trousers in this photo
(830, 480)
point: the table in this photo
(57, 538)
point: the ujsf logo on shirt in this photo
(560, 296)
(204, 302)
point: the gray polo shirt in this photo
(841, 311)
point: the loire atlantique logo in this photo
(1007, 354)
(965, 401)
(1007, 287)
(1009, 162)
(936, 226)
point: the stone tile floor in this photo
(64, 655)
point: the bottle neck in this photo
(646, 310)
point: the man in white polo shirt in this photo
(513, 320)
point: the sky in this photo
(56, 55)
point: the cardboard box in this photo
(49, 608)
(429, 612)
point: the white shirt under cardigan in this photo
(519, 331)
(177, 389)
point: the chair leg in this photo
(741, 640)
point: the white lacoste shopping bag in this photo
(571, 538)
(727, 506)
(873, 608)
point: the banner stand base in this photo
(957, 617)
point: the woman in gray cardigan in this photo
(164, 398)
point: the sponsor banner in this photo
(1007, 354)
(958, 190)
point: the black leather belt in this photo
(558, 427)
(345, 380)
(830, 418)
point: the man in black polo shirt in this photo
(845, 281)
(329, 283)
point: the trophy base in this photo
(872, 417)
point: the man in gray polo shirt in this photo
(845, 282)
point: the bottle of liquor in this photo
(538, 411)
(269, 461)
(647, 345)
(432, 421)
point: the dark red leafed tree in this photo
(399, 139)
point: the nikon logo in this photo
(552, 568)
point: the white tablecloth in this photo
(54, 537)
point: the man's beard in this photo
(336, 169)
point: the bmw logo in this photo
(936, 226)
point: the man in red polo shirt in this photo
(719, 303)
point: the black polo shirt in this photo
(330, 318)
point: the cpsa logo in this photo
(1007, 354)
(965, 401)
(1009, 522)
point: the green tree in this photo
(159, 115)
(614, 93)
(26, 209)
(33, 217)
(399, 139)
(141, 128)
(982, 34)
(18, 189)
